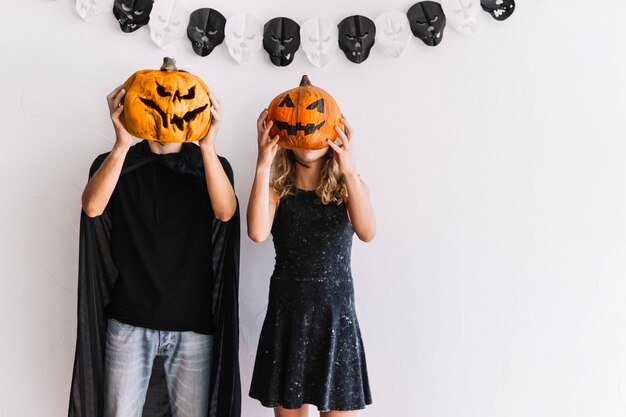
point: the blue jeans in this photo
(130, 351)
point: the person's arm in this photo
(263, 199)
(221, 192)
(100, 187)
(360, 208)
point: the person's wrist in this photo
(207, 148)
(123, 143)
(351, 176)
(262, 164)
(122, 136)
(120, 148)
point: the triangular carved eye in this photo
(190, 94)
(286, 102)
(319, 105)
(162, 91)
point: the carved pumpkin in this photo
(167, 105)
(304, 117)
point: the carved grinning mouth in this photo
(127, 23)
(432, 38)
(281, 55)
(501, 11)
(309, 129)
(176, 120)
(433, 35)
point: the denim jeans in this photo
(130, 351)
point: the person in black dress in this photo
(310, 349)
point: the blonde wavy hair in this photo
(332, 187)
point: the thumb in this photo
(116, 114)
(116, 117)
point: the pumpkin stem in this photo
(169, 64)
(305, 82)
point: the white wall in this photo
(496, 284)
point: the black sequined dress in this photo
(310, 350)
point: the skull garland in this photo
(89, 10)
(392, 33)
(462, 15)
(166, 23)
(281, 40)
(205, 30)
(427, 22)
(356, 37)
(166, 105)
(319, 40)
(243, 34)
(304, 117)
(498, 9)
(132, 14)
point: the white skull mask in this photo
(462, 15)
(244, 36)
(319, 38)
(393, 32)
(168, 22)
(89, 10)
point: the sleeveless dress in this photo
(310, 349)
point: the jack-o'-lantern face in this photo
(304, 117)
(166, 105)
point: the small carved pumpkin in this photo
(304, 117)
(166, 105)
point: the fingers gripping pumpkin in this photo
(167, 105)
(304, 117)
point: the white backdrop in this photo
(496, 162)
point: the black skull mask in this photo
(132, 14)
(205, 30)
(356, 37)
(499, 9)
(281, 39)
(427, 22)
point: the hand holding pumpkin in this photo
(343, 153)
(123, 139)
(267, 146)
(208, 142)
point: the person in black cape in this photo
(105, 255)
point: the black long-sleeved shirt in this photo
(161, 245)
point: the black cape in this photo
(96, 277)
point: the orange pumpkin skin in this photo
(304, 117)
(166, 105)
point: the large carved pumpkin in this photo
(304, 117)
(166, 105)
